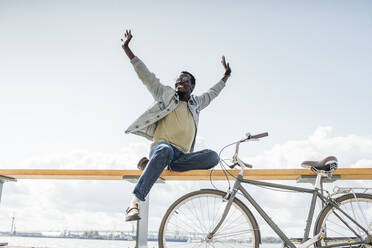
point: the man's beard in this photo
(182, 94)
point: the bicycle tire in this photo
(358, 206)
(190, 227)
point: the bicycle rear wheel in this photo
(189, 220)
(339, 230)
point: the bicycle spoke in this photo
(217, 214)
(178, 244)
(358, 203)
(231, 223)
(336, 232)
(195, 217)
(225, 243)
(236, 228)
(338, 225)
(214, 208)
(209, 219)
(198, 245)
(345, 222)
(229, 234)
(340, 230)
(231, 213)
(186, 220)
(355, 215)
(186, 230)
(229, 244)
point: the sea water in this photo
(83, 243)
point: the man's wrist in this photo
(225, 77)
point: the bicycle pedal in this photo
(296, 240)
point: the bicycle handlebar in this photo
(261, 135)
(235, 159)
(257, 136)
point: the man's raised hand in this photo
(128, 37)
(124, 44)
(227, 69)
(226, 66)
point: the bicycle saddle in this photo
(329, 164)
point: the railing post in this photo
(1, 188)
(1, 191)
(143, 223)
(4, 179)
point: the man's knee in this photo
(213, 158)
(163, 150)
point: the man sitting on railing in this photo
(171, 123)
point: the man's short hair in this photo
(192, 77)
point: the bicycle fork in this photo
(230, 198)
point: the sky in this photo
(301, 70)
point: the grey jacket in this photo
(166, 100)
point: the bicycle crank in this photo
(313, 240)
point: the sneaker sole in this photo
(132, 218)
(142, 163)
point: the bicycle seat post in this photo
(318, 180)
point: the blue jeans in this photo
(163, 154)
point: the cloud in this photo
(100, 204)
(349, 150)
(127, 158)
(362, 163)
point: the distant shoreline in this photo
(265, 240)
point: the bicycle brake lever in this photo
(246, 165)
(232, 166)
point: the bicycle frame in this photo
(306, 242)
(315, 194)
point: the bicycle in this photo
(214, 218)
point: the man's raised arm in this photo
(148, 78)
(205, 99)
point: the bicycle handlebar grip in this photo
(261, 135)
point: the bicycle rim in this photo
(189, 220)
(343, 232)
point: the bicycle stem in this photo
(235, 156)
(236, 160)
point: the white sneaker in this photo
(132, 213)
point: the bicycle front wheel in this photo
(341, 231)
(189, 220)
